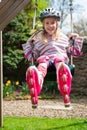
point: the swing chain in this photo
(71, 40)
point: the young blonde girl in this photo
(50, 45)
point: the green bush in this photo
(14, 35)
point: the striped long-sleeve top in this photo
(51, 47)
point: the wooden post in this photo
(1, 82)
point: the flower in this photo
(17, 83)
(7, 93)
(8, 83)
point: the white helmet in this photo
(49, 12)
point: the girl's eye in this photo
(53, 23)
(50, 23)
(47, 23)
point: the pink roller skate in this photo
(32, 79)
(64, 79)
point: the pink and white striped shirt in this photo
(51, 48)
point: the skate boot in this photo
(64, 79)
(32, 79)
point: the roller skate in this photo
(33, 81)
(64, 79)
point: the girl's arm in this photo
(27, 51)
(30, 51)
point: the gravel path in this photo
(46, 108)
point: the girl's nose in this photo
(50, 25)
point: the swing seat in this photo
(72, 69)
(51, 72)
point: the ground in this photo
(47, 108)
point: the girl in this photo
(50, 46)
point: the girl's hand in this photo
(76, 43)
(31, 39)
(73, 35)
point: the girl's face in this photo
(50, 25)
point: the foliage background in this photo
(14, 35)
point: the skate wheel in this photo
(65, 88)
(32, 91)
(67, 100)
(30, 72)
(34, 102)
(34, 106)
(31, 82)
(64, 78)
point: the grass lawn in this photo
(27, 123)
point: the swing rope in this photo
(71, 24)
(34, 22)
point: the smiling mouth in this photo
(51, 30)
